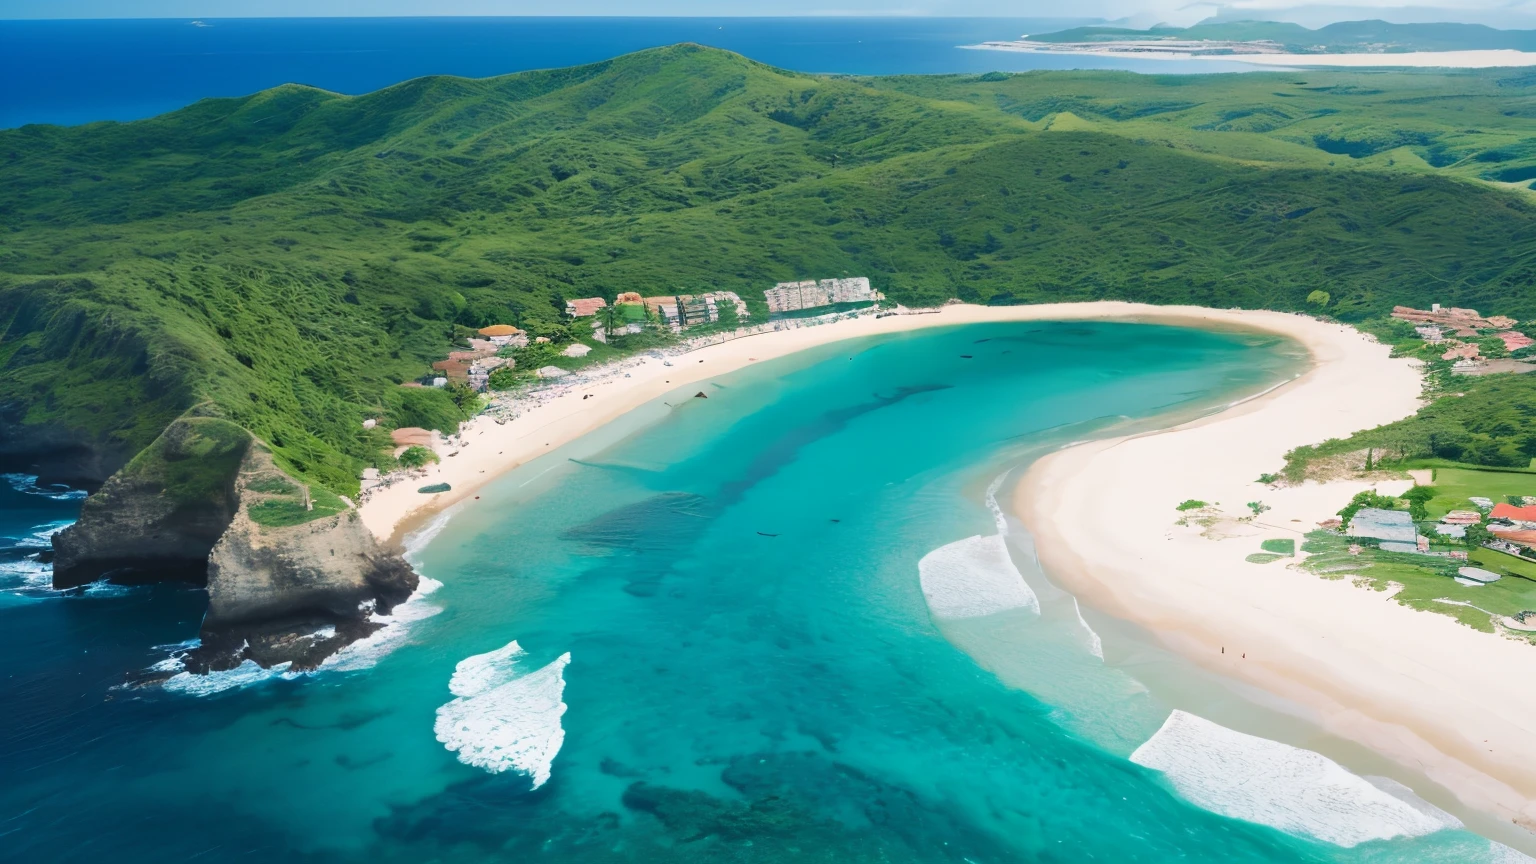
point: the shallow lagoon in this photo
(753, 671)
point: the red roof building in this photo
(585, 307)
(1514, 340)
(1513, 513)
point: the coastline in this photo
(490, 449)
(1428, 693)
(1477, 59)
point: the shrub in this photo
(1192, 504)
(416, 457)
(1279, 546)
(1318, 298)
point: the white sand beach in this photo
(1485, 59)
(1426, 691)
(1429, 693)
(492, 449)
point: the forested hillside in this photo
(287, 259)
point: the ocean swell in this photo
(503, 719)
(1297, 791)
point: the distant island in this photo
(1256, 40)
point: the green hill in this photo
(287, 259)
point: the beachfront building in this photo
(502, 335)
(1475, 575)
(1465, 322)
(688, 310)
(1430, 333)
(585, 307)
(1394, 526)
(1461, 351)
(1462, 517)
(794, 296)
(1522, 517)
(1514, 340)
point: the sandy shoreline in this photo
(1433, 695)
(492, 449)
(1484, 59)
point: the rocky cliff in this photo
(157, 518)
(284, 586)
(292, 574)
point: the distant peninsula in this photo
(1353, 43)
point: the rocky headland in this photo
(292, 574)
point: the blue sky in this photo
(1498, 13)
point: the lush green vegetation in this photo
(1279, 546)
(416, 456)
(1191, 504)
(289, 258)
(1454, 487)
(1427, 582)
(194, 461)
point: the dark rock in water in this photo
(435, 488)
(700, 395)
(44, 557)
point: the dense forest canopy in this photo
(288, 258)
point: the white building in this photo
(792, 296)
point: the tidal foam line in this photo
(974, 577)
(1294, 790)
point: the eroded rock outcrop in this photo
(157, 519)
(293, 579)
(292, 574)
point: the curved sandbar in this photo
(1420, 688)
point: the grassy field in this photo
(1454, 486)
(1427, 583)
(289, 258)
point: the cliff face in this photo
(292, 574)
(157, 519)
(273, 586)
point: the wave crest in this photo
(974, 577)
(503, 719)
(1294, 790)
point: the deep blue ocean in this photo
(71, 72)
(789, 622)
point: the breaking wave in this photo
(27, 485)
(1294, 790)
(503, 719)
(973, 577)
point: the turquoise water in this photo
(753, 670)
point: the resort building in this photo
(1514, 340)
(1430, 333)
(1465, 322)
(1460, 351)
(1475, 575)
(687, 310)
(1524, 517)
(585, 307)
(793, 296)
(502, 335)
(1462, 517)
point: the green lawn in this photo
(1456, 485)
(1426, 581)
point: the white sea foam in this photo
(1498, 853)
(1294, 790)
(417, 540)
(974, 577)
(997, 512)
(244, 675)
(365, 653)
(502, 719)
(27, 484)
(1095, 644)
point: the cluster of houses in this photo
(1512, 525)
(676, 311)
(794, 296)
(1433, 324)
